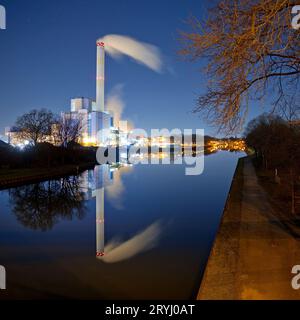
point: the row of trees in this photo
(276, 143)
(274, 140)
(37, 126)
(53, 141)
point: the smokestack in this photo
(99, 106)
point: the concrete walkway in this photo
(253, 253)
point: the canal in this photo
(121, 232)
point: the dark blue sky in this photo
(48, 55)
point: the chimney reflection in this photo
(93, 184)
(101, 177)
(99, 193)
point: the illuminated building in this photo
(13, 136)
(16, 138)
(95, 121)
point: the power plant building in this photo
(95, 125)
(95, 121)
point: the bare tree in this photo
(249, 47)
(289, 108)
(35, 126)
(66, 131)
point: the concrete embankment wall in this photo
(218, 278)
(254, 253)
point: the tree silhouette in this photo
(40, 206)
(35, 126)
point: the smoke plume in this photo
(115, 103)
(143, 53)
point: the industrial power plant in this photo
(97, 127)
(96, 121)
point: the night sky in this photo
(48, 55)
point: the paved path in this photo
(253, 253)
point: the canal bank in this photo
(17, 177)
(253, 254)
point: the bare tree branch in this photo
(251, 50)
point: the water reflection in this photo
(40, 206)
(115, 190)
(116, 251)
(109, 178)
(146, 233)
(95, 183)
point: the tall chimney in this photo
(99, 106)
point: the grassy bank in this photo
(16, 177)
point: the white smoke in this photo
(145, 240)
(143, 53)
(115, 104)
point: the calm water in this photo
(129, 232)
